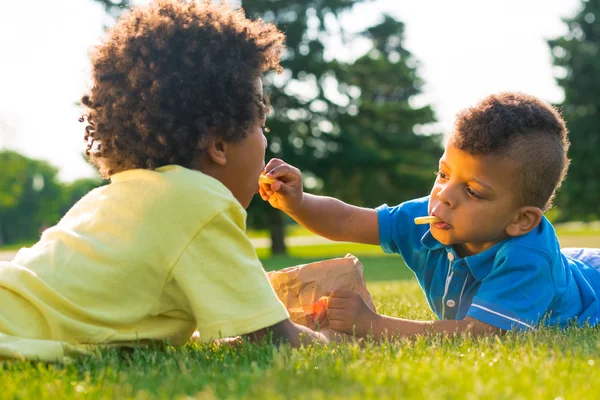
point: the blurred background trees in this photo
(31, 198)
(346, 111)
(347, 123)
(577, 59)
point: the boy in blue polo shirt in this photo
(492, 261)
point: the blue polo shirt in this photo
(518, 283)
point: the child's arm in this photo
(325, 216)
(350, 314)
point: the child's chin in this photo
(444, 239)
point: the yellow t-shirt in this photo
(154, 255)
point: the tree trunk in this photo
(277, 233)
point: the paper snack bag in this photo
(305, 289)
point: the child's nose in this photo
(445, 195)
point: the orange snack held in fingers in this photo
(427, 220)
(265, 179)
(318, 310)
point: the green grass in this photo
(290, 231)
(545, 364)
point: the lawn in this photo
(542, 365)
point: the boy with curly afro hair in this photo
(487, 259)
(175, 121)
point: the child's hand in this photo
(349, 313)
(286, 192)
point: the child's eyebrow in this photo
(482, 184)
(471, 179)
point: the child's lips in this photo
(442, 224)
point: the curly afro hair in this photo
(526, 130)
(170, 75)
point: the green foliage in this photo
(74, 191)
(349, 126)
(382, 159)
(31, 197)
(577, 58)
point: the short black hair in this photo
(170, 74)
(525, 129)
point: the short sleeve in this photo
(223, 281)
(517, 292)
(398, 233)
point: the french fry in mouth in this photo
(427, 220)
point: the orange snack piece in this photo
(265, 179)
(318, 310)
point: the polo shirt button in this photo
(450, 256)
(450, 303)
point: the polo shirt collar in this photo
(480, 264)
(430, 242)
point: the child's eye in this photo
(441, 175)
(473, 194)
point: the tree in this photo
(347, 125)
(576, 56)
(30, 197)
(385, 160)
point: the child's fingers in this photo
(336, 302)
(334, 314)
(276, 186)
(274, 162)
(263, 192)
(341, 293)
(284, 172)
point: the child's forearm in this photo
(390, 327)
(322, 215)
(336, 220)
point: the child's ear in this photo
(526, 219)
(217, 150)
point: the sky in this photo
(466, 49)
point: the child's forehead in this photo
(497, 169)
(454, 153)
